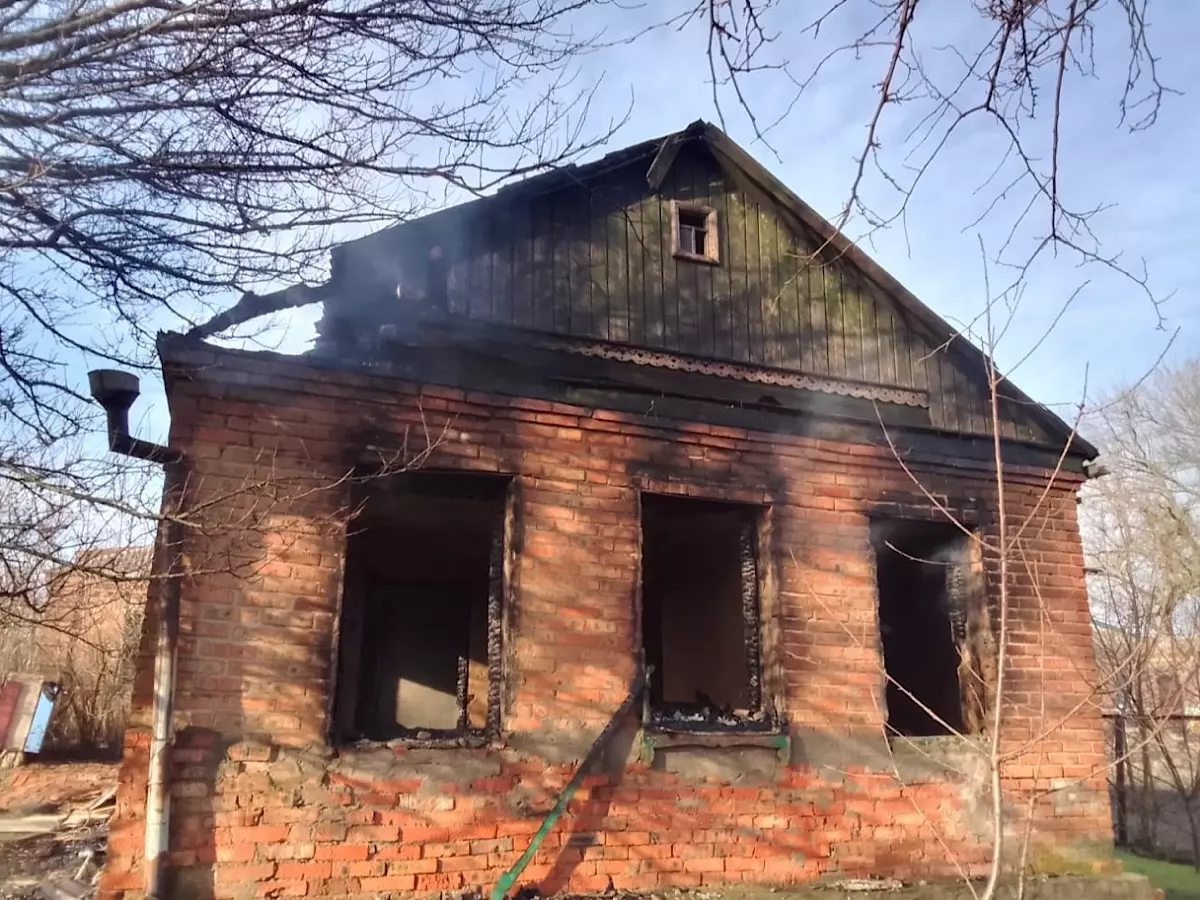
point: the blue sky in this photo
(1148, 180)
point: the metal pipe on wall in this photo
(158, 809)
(116, 391)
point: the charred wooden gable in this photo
(585, 261)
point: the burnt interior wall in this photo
(694, 624)
(921, 623)
(415, 607)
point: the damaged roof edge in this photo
(254, 306)
(740, 165)
(186, 359)
(654, 149)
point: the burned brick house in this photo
(652, 414)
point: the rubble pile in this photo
(53, 830)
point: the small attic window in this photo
(694, 230)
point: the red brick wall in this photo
(260, 804)
(10, 695)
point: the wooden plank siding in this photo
(593, 258)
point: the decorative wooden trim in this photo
(658, 359)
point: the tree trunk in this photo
(1190, 809)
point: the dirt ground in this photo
(33, 847)
(28, 787)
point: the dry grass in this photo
(84, 638)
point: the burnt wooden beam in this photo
(253, 306)
(663, 160)
(462, 693)
(495, 621)
(751, 619)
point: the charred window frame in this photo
(694, 234)
(421, 622)
(935, 634)
(702, 615)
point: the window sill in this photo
(696, 257)
(664, 725)
(936, 755)
(468, 741)
(655, 739)
(934, 741)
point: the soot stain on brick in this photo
(715, 467)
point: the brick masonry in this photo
(10, 694)
(261, 806)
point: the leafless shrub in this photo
(1144, 547)
(155, 158)
(1005, 75)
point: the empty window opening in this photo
(700, 613)
(419, 636)
(695, 230)
(926, 583)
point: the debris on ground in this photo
(54, 829)
(52, 867)
(866, 885)
(53, 784)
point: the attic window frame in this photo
(712, 239)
